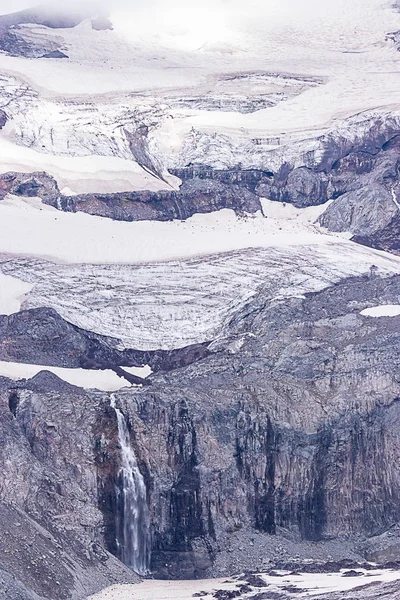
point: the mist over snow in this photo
(347, 24)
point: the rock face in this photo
(47, 519)
(41, 336)
(289, 422)
(3, 119)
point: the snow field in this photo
(308, 585)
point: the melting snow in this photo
(308, 585)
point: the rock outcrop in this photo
(47, 545)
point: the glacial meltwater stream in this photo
(132, 513)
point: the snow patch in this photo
(307, 584)
(106, 380)
(12, 294)
(143, 371)
(385, 310)
(284, 210)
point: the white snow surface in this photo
(327, 67)
(152, 285)
(143, 371)
(32, 228)
(386, 310)
(307, 584)
(106, 380)
(284, 211)
(12, 294)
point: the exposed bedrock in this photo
(291, 424)
(3, 119)
(40, 336)
(51, 544)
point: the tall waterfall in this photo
(132, 514)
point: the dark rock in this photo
(40, 336)
(55, 54)
(292, 589)
(302, 187)
(226, 594)
(256, 581)
(353, 573)
(3, 119)
(213, 459)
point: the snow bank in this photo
(12, 293)
(386, 310)
(142, 372)
(284, 210)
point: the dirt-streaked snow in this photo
(106, 380)
(307, 584)
(173, 304)
(386, 310)
(166, 285)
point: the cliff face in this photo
(51, 544)
(290, 422)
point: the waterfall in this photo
(132, 514)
